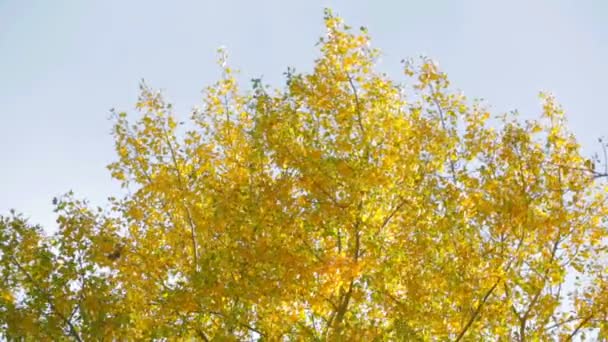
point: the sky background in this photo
(64, 64)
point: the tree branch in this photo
(188, 214)
(49, 300)
(477, 310)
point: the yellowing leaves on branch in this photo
(346, 206)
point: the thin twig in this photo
(444, 126)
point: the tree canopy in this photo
(345, 205)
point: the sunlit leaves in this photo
(344, 206)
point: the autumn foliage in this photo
(344, 206)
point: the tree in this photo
(346, 206)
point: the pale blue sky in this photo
(64, 64)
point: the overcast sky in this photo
(64, 64)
